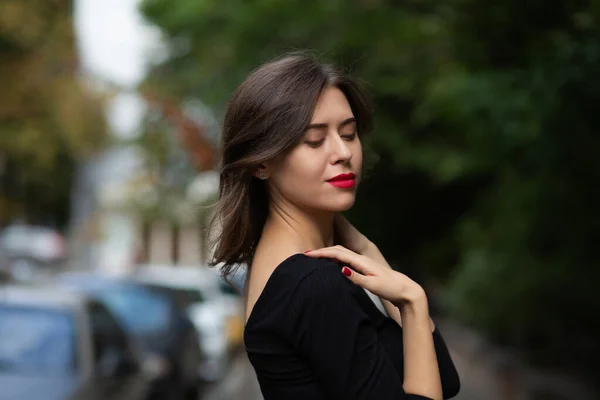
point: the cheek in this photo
(301, 181)
(300, 175)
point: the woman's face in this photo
(323, 171)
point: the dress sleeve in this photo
(448, 373)
(331, 330)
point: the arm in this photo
(421, 373)
(448, 374)
(353, 239)
(334, 334)
(370, 250)
(421, 370)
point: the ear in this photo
(261, 172)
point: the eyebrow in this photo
(324, 125)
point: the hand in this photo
(349, 236)
(374, 276)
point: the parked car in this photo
(57, 346)
(153, 316)
(32, 250)
(43, 244)
(5, 267)
(205, 307)
(232, 302)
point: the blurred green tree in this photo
(48, 118)
(485, 121)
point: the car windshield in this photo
(140, 310)
(36, 340)
(180, 297)
(191, 296)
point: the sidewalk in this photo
(490, 373)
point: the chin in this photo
(340, 205)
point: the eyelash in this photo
(320, 142)
(350, 136)
(315, 144)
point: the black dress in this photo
(313, 334)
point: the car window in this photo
(194, 295)
(187, 297)
(181, 298)
(141, 311)
(104, 323)
(36, 340)
(106, 332)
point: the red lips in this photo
(343, 177)
(343, 181)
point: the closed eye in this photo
(350, 137)
(315, 143)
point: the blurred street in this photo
(480, 182)
(240, 383)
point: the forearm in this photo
(421, 371)
(372, 251)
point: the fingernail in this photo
(346, 271)
(307, 251)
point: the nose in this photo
(340, 152)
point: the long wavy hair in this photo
(267, 116)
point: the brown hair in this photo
(266, 117)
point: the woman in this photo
(292, 162)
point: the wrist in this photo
(416, 316)
(414, 302)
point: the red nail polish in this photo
(346, 271)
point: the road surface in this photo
(240, 383)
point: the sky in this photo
(113, 39)
(115, 44)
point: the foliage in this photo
(48, 118)
(486, 124)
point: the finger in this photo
(356, 277)
(341, 254)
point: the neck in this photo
(305, 229)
